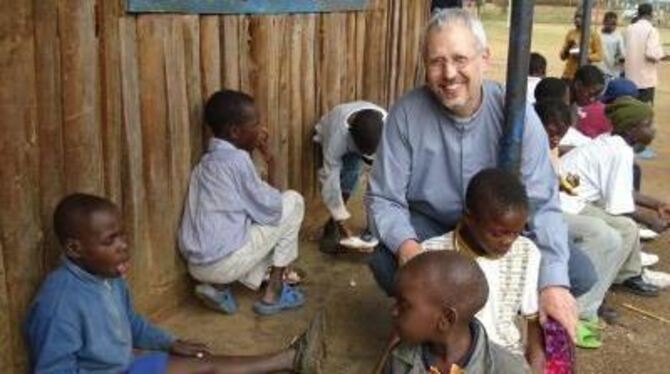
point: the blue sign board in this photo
(243, 6)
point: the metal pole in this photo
(518, 59)
(587, 5)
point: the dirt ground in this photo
(358, 312)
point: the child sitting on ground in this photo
(536, 72)
(588, 84)
(349, 135)
(82, 319)
(605, 170)
(234, 224)
(437, 296)
(557, 89)
(496, 211)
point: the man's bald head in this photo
(449, 278)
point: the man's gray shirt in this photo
(425, 161)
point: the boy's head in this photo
(609, 22)
(496, 210)
(232, 115)
(588, 84)
(435, 292)
(537, 66)
(632, 119)
(556, 118)
(365, 128)
(645, 10)
(552, 88)
(578, 17)
(90, 231)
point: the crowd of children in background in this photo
(236, 227)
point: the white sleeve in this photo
(529, 303)
(617, 182)
(334, 146)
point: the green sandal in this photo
(588, 334)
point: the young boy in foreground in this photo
(235, 225)
(496, 211)
(82, 319)
(437, 296)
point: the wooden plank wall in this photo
(98, 101)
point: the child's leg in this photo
(281, 361)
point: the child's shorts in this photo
(149, 363)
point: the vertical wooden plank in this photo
(392, 48)
(153, 32)
(179, 149)
(230, 42)
(49, 120)
(333, 60)
(352, 53)
(245, 64)
(295, 122)
(309, 45)
(194, 83)
(134, 202)
(375, 53)
(82, 138)
(110, 88)
(211, 65)
(359, 63)
(266, 35)
(20, 234)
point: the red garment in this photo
(592, 121)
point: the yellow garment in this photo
(571, 61)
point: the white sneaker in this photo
(356, 242)
(657, 278)
(647, 234)
(648, 259)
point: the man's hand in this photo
(408, 249)
(189, 349)
(345, 232)
(558, 303)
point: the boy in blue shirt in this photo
(82, 319)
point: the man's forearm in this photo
(646, 201)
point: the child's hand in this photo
(344, 231)
(262, 143)
(663, 210)
(189, 349)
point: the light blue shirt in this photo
(426, 159)
(81, 323)
(225, 196)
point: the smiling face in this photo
(455, 65)
(100, 246)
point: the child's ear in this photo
(73, 248)
(468, 218)
(448, 317)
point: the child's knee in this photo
(293, 200)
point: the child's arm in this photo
(53, 342)
(662, 208)
(535, 345)
(145, 334)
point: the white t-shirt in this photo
(530, 88)
(513, 287)
(574, 138)
(605, 170)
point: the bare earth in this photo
(358, 312)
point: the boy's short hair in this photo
(74, 210)
(590, 76)
(645, 9)
(554, 111)
(366, 128)
(550, 88)
(610, 15)
(467, 289)
(538, 64)
(496, 191)
(226, 108)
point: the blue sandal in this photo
(220, 300)
(289, 298)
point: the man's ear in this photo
(486, 56)
(447, 319)
(73, 248)
(468, 218)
